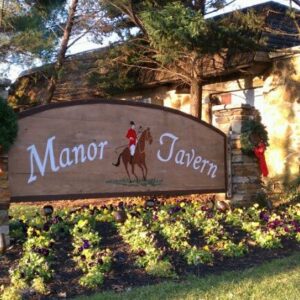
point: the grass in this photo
(126, 182)
(275, 280)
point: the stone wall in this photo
(245, 174)
(280, 112)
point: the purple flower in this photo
(46, 227)
(204, 208)
(209, 215)
(45, 252)
(174, 210)
(271, 225)
(264, 216)
(86, 244)
(56, 219)
(274, 224)
(177, 208)
(294, 223)
(171, 211)
(277, 222)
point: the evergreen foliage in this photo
(252, 132)
(30, 30)
(175, 38)
(8, 126)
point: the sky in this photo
(84, 44)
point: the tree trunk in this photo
(62, 52)
(1, 13)
(200, 6)
(196, 99)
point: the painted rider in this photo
(132, 136)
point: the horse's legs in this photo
(126, 168)
(146, 169)
(132, 171)
(141, 167)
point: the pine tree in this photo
(30, 30)
(176, 38)
(45, 30)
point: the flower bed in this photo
(142, 242)
(90, 259)
(202, 236)
(34, 269)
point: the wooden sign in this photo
(106, 148)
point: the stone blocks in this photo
(246, 181)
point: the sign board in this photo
(83, 149)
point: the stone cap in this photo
(231, 106)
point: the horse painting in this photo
(139, 157)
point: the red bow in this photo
(259, 151)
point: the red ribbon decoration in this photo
(259, 151)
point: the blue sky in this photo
(84, 44)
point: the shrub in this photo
(8, 126)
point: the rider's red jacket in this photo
(132, 136)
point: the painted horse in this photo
(139, 157)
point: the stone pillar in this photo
(4, 198)
(246, 179)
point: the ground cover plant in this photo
(90, 249)
(93, 261)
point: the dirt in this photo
(7, 261)
(124, 275)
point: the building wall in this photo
(276, 95)
(280, 113)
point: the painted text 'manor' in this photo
(67, 157)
